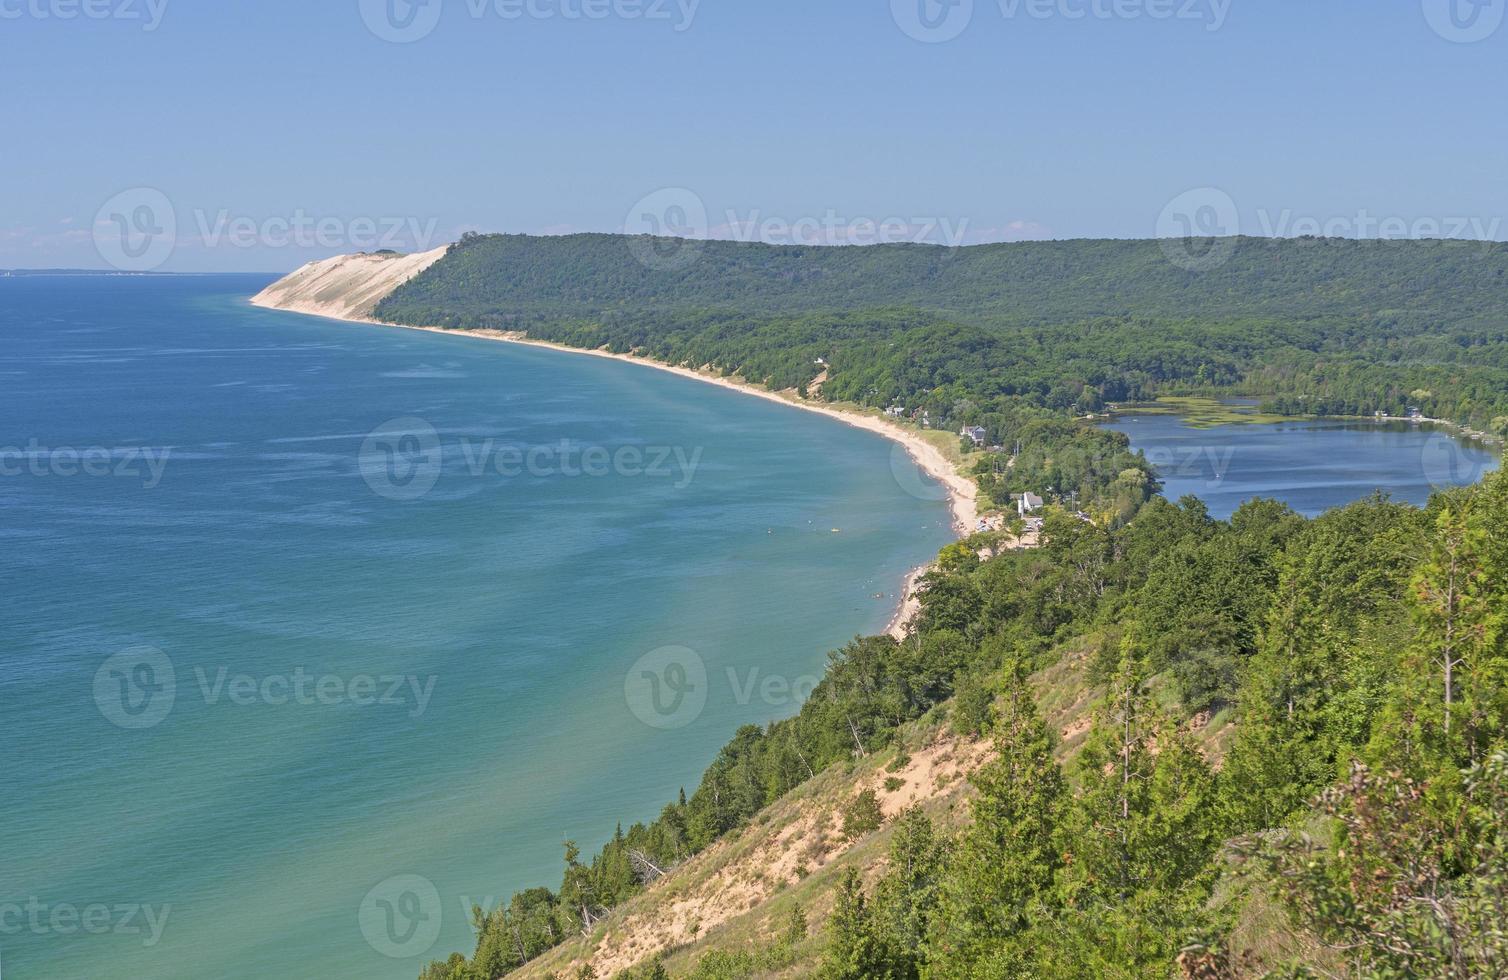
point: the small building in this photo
(1029, 503)
(896, 411)
(974, 433)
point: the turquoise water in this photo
(1311, 465)
(388, 699)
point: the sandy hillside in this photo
(735, 895)
(346, 286)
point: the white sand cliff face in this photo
(347, 287)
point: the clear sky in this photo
(227, 128)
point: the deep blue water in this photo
(1309, 465)
(298, 665)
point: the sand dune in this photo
(347, 286)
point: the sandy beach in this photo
(962, 495)
(293, 295)
(910, 604)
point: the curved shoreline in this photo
(961, 491)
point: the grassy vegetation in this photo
(1201, 412)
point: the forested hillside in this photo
(1022, 284)
(983, 334)
(1355, 822)
(1018, 339)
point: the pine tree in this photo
(1281, 753)
(1447, 683)
(906, 899)
(856, 952)
(1139, 836)
(1006, 859)
(795, 926)
(1452, 612)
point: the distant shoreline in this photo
(962, 493)
(1195, 418)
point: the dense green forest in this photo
(1362, 806)
(1028, 284)
(1321, 325)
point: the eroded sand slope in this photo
(347, 286)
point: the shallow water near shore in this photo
(319, 634)
(1309, 464)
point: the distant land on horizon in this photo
(1198, 245)
(484, 277)
(23, 273)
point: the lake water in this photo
(317, 634)
(1311, 465)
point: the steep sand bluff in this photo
(347, 287)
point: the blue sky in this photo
(250, 120)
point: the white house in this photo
(1029, 503)
(974, 433)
